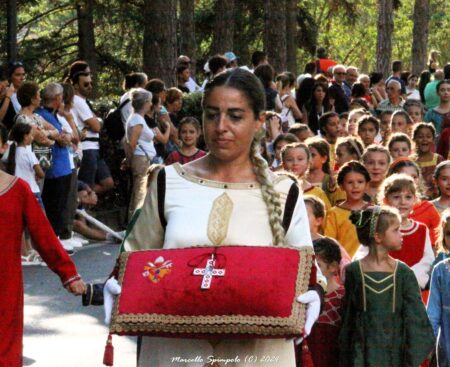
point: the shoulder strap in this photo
(123, 104)
(289, 207)
(161, 187)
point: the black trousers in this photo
(68, 213)
(54, 196)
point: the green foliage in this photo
(48, 34)
(192, 105)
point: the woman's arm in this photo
(38, 171)
(160, 137)
(166, 121)
(6, 101)
(133, 138)
(305, 116)
(293, 106)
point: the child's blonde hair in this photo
(398, 182)
(441, 246)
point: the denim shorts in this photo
(93, 168)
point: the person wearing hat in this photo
(232, 60)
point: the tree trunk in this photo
(11, 32)
(223, 27)
(420, 35)
(160, 44)
(86, 38)
(291, 36)
(274, 37)
(384, 38)
(188, 45)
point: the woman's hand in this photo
(10, 91)
(77, 287)
(110, 290)
(312, 301)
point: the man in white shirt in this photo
(93, 170)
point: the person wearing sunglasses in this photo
(93, 169)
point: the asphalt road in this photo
(59, 331)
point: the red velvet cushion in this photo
(255, 296)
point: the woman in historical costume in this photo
(237, 201)
(19, 208)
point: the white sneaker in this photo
(67, 244)
(80, 238)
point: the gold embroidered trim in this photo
(220, 324)
(222, 185)
(364, 285)
(219, 219)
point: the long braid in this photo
(270, 196)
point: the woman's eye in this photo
(235, 117)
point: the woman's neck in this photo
(239, 170)
(378, 255)
(28, 110)
(444, 106)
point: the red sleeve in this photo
(170, 159)
(45, 240)
(435, 221)
(442, 146)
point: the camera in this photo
(93, 295)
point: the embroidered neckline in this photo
(218, 184)
(365, 286)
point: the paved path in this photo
(59, 331)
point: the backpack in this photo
(113, 122)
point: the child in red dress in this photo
(19, 207)
(321, 343)
(189, 131)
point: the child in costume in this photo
(189, 132)
(295, 158)
(376, 159)
(424, 135)
(353, 178)
(438, 307)
(321, 343)
(399, 191)
(19, 208)
(384, 321)
(441, 179)
(423, 211)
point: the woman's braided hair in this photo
(250, 86)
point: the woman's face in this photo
(444, 92)
(424, 140)
(18, 77)
(367, 132)
(412, 82)
(176, 105)
(3, 85)
(377, 165)
(317, 161)
(36, 100)
(319, 94)
(229, 124)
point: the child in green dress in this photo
(384, 321)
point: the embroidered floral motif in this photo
(157, 270)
